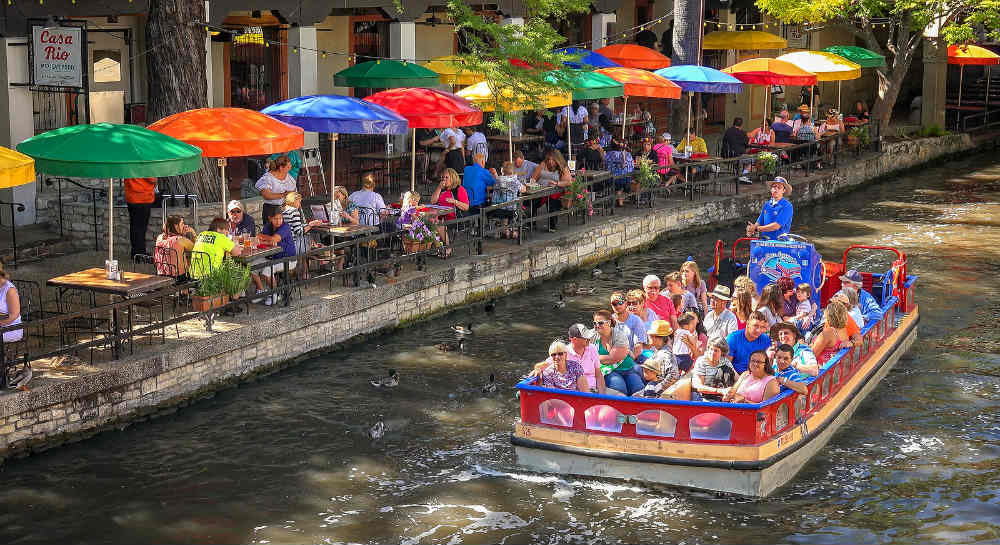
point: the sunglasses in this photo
(617, 302)
(235, 211)
(599, 323)
(558, 354)
(759, 362)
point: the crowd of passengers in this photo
(686, 343)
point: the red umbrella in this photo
(427, 109)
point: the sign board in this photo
(796, 36)
(57, 56)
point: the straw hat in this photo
(660, 328)
(721, 292)
(783, 182)
(804, 109)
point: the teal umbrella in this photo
(592, 86)
(109, 150)
(865, 58)
(386, 74)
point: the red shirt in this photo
(140, 190)
(663, 307)
(463, 196)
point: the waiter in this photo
(776, 217)
(140, 194)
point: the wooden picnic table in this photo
(346, 231)
(255, 252)
(95, 281)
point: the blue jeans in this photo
(626, 382)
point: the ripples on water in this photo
(286, 459)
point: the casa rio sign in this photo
(57, 56)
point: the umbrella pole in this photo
(333, 171)
(986, 108)
(510, 142)
(569, 134)
(111, 219)
(413, 161)
(958, 113)
(222, 168)
(624, 116)
(763, 113)
(840, 106)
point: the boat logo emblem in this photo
(774, 266)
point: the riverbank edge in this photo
(157, 383)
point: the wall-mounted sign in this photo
(57, 56)
(796, 36)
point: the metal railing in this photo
(94, 192)
(981, 121)
(13, 231)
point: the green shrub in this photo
(932, 131)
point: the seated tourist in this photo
(636, 329)
(660, 304)
(659, 372)
(522, 167)
(849, 297)
(803, 359)
(805, 309)
(613, 348)
(719, 320)
(275, 233)
(664, 153)
(745, 341)
(742, 307)
(344, 211)
(782, 128)
(240, 222)
(10, 308)
(771, 304)
(211, 247)
(591, 157)
(372, 204)
(172, 245)
(839, 332)
(661, 342)
(635, 300)
(686, 347)
(786, 373)
(756, 384)
(582, 351)
(713, 374)
(676, 286)
(870, 308)
(507, 190)
(693, 144)
(563, 374)
(786, 291)
(619, 162)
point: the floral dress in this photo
(506, 189)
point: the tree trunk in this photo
(888, 90)
(687, 44)
(176, 66)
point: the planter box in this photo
(202, 304)
(412, 247)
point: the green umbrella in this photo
(386, 74)
(592, 86)
(858, 55)
(109, 150)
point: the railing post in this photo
(481, 231)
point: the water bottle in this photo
(388, 147)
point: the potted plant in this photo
(645, 175)
(235, 278)
(767, 162)
(417, 237)
(210, 292)
(858, 136)
(577, 195)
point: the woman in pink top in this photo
(756, 384)
(583, 352)
(665, 159)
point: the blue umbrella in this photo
(589, 58)
(337, 114)
(700, 79)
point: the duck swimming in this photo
(390, 381)
(491, 386)
(377, 431)
(461, 330)
(451, 346)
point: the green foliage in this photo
(229, 278)
(209, 285)
(861, 133)
(491, 44)
(932, 131)
(767, 161)
(577, 193)
(645, 173)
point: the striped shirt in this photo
(293, 217)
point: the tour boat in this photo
(741, 448)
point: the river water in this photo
(287, 460)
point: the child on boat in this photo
(686, 347)
(805, 310)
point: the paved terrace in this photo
(72, 396)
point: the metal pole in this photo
(510, 142)
(111, 219)
(333, 171)
(986, 108)
(958, 112)
(624, 116)
(222, 168)
(413, 161)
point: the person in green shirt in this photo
(212, 246)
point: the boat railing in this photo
(703, 421)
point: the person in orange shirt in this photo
(140, 194)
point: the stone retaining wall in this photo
(145, 384)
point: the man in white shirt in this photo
(454, 146)
(720, 321)
(475, 142)
(577, 116)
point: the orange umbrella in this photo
(640, 83)
(971, 54)
(231, 132)
(766, 71)
(635, 56)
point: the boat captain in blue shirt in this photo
(776, 217)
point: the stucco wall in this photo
(143, 384)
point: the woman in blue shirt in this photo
(776, 217)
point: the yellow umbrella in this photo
(15, 168)
(451, 72)
(746, 39)
(482, 96)
(827, 67)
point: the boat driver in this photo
(776, 217)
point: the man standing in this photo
(744, 342)
(720, 321)
(140, 194)
(776, 216)
(871, 310)
(660, 304)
